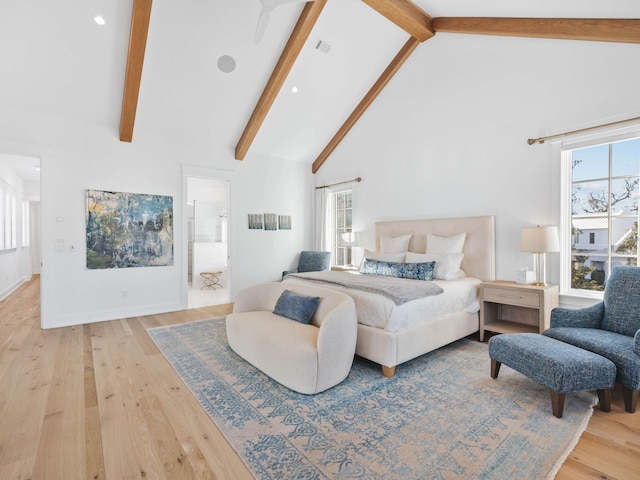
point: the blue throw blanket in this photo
(399, 290)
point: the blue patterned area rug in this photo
(441, 417)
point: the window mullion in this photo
(610, 212)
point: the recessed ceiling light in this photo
(99, 19)
(294, 89)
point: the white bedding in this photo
(380, 312)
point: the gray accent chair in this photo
(610, 328)
(311, 261)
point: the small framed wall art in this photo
(284, 222)
(270, 221)
(255, 221)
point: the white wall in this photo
(447, 137)
(78, 157)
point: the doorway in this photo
(208, 204)
(20, 243)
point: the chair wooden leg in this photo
(605, 399)
(557, 403)
(630, 399)
(495, 368)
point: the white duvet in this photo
(380, 312)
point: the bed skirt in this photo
(393, 348)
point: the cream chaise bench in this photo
(307, 358)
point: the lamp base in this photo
(540, 268)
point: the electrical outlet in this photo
(60, 245)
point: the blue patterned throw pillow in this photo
(296, 307)
(413, 271)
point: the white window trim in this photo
(569, 143)
(331, 220)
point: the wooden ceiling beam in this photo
(594, 29)
(308, 17)
(368, 99)
(135, 59)
(405, 14)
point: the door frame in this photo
(213, 174)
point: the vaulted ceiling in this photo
(406, 15)
(151, 70)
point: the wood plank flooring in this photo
(100, 401)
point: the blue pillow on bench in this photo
(296, 307)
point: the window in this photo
(8, 220)
(25, 223)
(601, 212)
(341, 217)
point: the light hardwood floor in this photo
(99, 401)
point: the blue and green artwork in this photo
(128, 230)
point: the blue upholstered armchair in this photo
(610, 328)
(311, 262)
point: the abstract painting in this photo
(128, 230)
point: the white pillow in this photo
(447, 264)
(384, 256)
(453, 244)
(395, 244)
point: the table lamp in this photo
(539, 240)
(349, 240)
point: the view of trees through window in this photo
(341, 202)
(604, 211)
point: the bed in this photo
(391, 334)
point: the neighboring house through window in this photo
(600, 214)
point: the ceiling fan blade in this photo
(263, 20)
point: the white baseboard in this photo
(12, 288)
(106, 315)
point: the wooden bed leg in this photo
(388, 372)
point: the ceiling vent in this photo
(322, 46)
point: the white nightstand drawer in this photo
(513, 297)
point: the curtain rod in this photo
(357, 180)
(531, 141)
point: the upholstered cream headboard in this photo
(479, 247)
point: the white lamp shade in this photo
(348, 239)
(539, 240)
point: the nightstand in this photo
(509, 307)
(345, 268)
